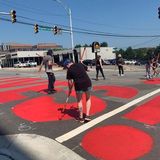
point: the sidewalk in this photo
(34, 147)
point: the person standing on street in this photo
(149, 64)
(155, 65)
(120, 63)
(78, 77)
(99, 67)
(48, 64)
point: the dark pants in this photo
(51, 80)
(97, 71)
(120, 68)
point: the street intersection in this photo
(125, 117)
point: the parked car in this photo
(19, 64)
(106, 62)
(138, 63)
(89, 62)
(112, 61)
(129, 62)
(31, 64)
(25, 64)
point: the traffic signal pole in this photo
(4, 13)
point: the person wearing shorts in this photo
(78, 77)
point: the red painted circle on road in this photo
(117, 142)
(45, 108)
(148, 113)
(118, 91)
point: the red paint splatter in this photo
(118, 91)
(148, 113)
(45, 108)
(117, 142)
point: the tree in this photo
(86, 45)
(122, 52)
(129, 53)
(104, 44)
(77, 46)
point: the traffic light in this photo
(13, 16)
(36, 28)
(95, 47)
(159, 12)
(55, 30)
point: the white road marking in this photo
(103, 117)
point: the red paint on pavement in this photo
(117, 142)
(17, 93)
(118, 91)
(10, 80)
(45, 108)
(20, 82)
(152, 81)
(148, 112)
(8, 96)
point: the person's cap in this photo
(119, 55)
(66, 62)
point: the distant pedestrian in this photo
(48, 64)
(120, 63)
(149, 65)
(99, 67)
(154, 67)
(78, 77)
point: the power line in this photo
(38, 11)
(87, 32)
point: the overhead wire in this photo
(87, 32)
(67, 28)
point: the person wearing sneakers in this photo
(99, 67)
(48, 63)
(120, 63)
(78, 77)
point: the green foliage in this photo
(129, 53)
(77, 46)
(104, 44)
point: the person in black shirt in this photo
(78, 77)
(99, 67)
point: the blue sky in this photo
(118, 17)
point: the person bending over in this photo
(78, 77)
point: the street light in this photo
(68, 10)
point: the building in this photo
(11, 53)
(105, 53)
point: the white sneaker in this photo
(122, 75)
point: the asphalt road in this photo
(125, 114)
